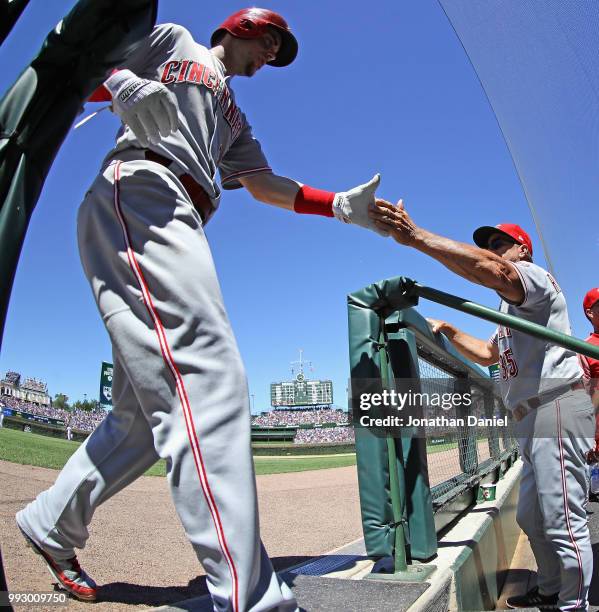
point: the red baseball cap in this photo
(515, 232)
(590, 298)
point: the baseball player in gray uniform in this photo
(541, 384)
(179, 387)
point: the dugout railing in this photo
(465, 457)
(414, 482)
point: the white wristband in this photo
(117, 80)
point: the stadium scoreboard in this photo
(301, 392)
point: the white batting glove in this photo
(352, 206)
(147, 107)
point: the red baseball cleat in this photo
(68, 573)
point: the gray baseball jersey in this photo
(214, 134)
(553, 487)
(529, 366)
(179, 385)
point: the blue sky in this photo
(388, 90)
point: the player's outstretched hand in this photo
(147, 107)
(394, 220)
(441, 327)
(352, 206)
(436, 325)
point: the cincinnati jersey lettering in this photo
(188, 71)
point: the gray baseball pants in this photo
(554, 440)
(179, 388)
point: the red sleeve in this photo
(101, 94)
(586, 366)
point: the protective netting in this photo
(457, 454)
(538, 63)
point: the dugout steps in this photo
(478, 549)
(474, 556)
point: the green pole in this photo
(399, 563)
(526, 327)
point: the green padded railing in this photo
(404, 501)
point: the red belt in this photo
(197, 194)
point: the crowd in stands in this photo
(293, 418)
(322, 435)
(35, 385)
(82, 420)
(12, 377)
(313, 416)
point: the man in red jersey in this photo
(589, 364)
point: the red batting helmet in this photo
(252, 23)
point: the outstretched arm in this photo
(472, 263)
(483, 352)
(272, 189)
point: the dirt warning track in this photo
(138, 552)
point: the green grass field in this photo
(44, 451)
(437, 448)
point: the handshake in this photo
(353, 206)
(360, 207)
